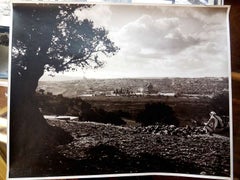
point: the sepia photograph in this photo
(108, 90)
(187, 2)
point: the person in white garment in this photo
(214, 123)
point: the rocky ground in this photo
(99, 148)
(106, 149)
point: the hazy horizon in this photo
(68, 78)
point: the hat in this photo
(212, 113)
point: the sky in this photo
(160, 41)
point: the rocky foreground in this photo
(107, 149)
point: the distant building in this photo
(111, 1)
(118, 1)
(167, 94)
(54, 117)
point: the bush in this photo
(100, 115)
(157, 113)
(59, 105)
(220, 104)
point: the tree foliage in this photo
(220, 104)
(157, 113)
(47, 37)
(55, 39)
(59, 105)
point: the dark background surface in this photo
(235, 60)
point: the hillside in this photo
(107, 149)
(203, 86)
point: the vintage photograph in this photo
(4, 41)
(189, 2)
(5, 4)
(4, 38)
(108, 90)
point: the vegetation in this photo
(59, 105)
(220, 103)
(191, 107)
(55, 41)
(157, 113)
(49, 39)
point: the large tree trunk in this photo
(30, 134)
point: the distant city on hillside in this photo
(108, 87)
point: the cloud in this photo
(153, 37)
(99, 14)
(205, 59)
(159, 41)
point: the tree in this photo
(48, 38)
(53, 39)
(220, 103)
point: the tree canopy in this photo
(47, 37)
(51, 37)
(220, 103)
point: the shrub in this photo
(59, 105)
(100, 115)
(220, 104)
(157, 113)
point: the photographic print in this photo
(4, 38)
(119, 90)
(4, 41)
(189, 2)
